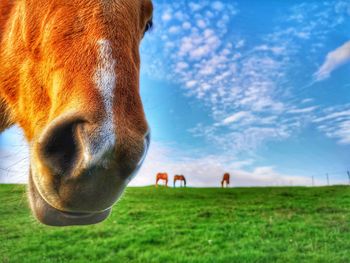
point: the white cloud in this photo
(342, 7)
(240, 43)
(334, 59)
(304, 35)
(174, 29)
(334, 115)
(191, 83)
(334, 122)
(217, 5)
(343, 132)
(181, 66)
(307, 100)
(201, 23)
(186, 25)
(166, 16)
(195, 6)
(236, 117)
(303, 110)
(278, 50)
(14, 161)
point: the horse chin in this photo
(51, 216)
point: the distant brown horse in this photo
(162, 176)
(226, 178)
(180, 178)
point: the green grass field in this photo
(189, 225)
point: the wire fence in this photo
(331, 178)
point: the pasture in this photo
(287, 224)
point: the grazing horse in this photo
(70, 79)
(180, 178)
(162, 176)
(226, 178)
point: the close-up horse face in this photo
(77, 99)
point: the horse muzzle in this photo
(74, 180)
(51, 216)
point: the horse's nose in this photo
(60, 145)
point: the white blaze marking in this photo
(105, 81)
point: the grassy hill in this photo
(189, 225)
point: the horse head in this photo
(70, 79)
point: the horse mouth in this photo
(79, 202)
(51, 216)
(76, 215)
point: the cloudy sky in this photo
(258, 90)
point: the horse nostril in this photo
(60, 146)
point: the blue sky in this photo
(261, 90)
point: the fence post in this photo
(327, 178)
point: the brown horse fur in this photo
(5, 118)
(180, 178)
(225, 179)
(70, 79)
(162, 176)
